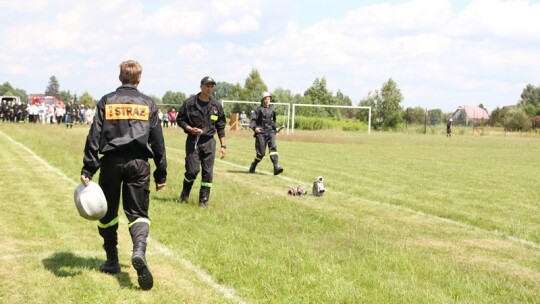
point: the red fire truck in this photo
(48, 100)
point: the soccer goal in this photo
(329, 106)
(272, 104)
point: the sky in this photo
(442, 54)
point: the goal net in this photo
(283, 110)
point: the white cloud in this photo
(30, 5)
(193, 52)
(391, 19)
(416, 44)
(178, 20)
(243, 25)
(495, 18)
(17, 69)
(229, 8)
(91, 63)
(236, 16)
(439, 55)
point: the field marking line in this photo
(41, 160)
(226, 291)
(161, 250)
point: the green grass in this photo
(407, 218)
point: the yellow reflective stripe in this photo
(188, 180)
(204, 184)
(139, 220)
(258, 158)
(109, 224)
(273, 153)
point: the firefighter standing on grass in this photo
(263, 123)
(201, 117)
(127, 132)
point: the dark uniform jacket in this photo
(264, 118)
(191, 114)
(126, 122)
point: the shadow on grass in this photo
(243, 171)
(164, 199)
(67, 264)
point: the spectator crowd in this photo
(45, 113)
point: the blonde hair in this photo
(130, 72)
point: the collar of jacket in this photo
(127, 87)
(212, 99)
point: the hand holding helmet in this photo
(90, 201)
(85, 180)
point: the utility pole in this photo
(425, 122)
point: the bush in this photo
(518, 121)
(319, 123)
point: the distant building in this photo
(467, 115)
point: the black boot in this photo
(111, 265)
(204, 196)
(110, 240)
(139, 233)
(277, 169)
(253, 166)
(186, 189)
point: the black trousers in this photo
(200, 155)
(265, 139)
(129, 176)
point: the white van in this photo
(13, 99)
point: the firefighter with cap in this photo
(126, 132)
(263, 123)
(201, 117)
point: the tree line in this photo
(386, 102)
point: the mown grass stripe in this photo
(204, 276)
(397, 207)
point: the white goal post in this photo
(257, 102)
(329, 106)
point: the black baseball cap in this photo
(208, 80)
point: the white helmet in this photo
(90, 201)
(264, 95)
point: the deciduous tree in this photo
(65, 96)
(435, 116)
(317, 94)
(253, 87)
(530, 100)
(7, 89)
(285, 96)
(368, 101)
(416, 115)
(87, 100)
(388, 107)
(343, 100)
(530, 95)
(227, 91)
(175, 98)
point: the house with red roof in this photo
(470, 115)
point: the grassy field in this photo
(407, 218)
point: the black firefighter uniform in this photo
(127, 132)
(201, 149)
